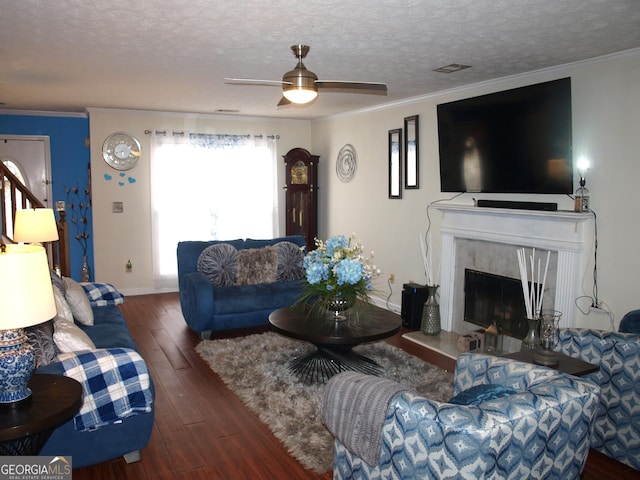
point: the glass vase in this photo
(85, 271)
(431, 312)
(337, 306)
(532, 340)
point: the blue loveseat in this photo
(124, 436)
(213, 297)
(540, 430)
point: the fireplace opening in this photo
(489, 297)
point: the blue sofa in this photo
(207, 307)
(616, 430)
(122, 437)
(538, 430)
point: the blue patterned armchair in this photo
(540, 430)
(616, 430)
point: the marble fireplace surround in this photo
(486, 239)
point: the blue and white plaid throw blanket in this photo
(115, 384)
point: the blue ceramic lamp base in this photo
(16, 366)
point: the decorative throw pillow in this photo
(78, 302)
(41, 340)
(218, 263)
(290, 259)
(102, 294)
(62, 306)
(68, 337)
(257, 265)
(57, 281)
(481, 393)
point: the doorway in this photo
(29, 158)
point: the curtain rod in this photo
(181, 134)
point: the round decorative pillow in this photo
(290, 259)
(219, 264)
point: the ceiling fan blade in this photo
(255, 81)
(283, 101)
(371, 88)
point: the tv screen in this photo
(515, 141)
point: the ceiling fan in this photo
(301, 86)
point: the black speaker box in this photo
(413, 298)
(546, 206)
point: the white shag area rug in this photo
(255, 368)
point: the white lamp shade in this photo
(26, 292)
(35, 225)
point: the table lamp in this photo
(26, 299)
(35, 225)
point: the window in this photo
(209, 187)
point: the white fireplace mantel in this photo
(560, 231)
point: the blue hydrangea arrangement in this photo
(337, 268)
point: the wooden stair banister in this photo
(63, 244)
(14, 193)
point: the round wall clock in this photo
(346, 163)
(121, 151)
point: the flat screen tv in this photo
(514, 141)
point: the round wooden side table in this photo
(25, 428)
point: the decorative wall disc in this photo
(346, 163)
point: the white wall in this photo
(119, 237)
(606, 127)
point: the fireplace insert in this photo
(489, 297)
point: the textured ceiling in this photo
(173, 55)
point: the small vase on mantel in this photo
(431, 312)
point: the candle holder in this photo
(493, 339)
(549, 336)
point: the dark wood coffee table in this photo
(570, 365)
(333, 339)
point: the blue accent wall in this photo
(70, 160)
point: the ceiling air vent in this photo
(452, 67)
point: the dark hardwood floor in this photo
(203, 431)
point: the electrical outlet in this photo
(392, 278)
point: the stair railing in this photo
(14, 194)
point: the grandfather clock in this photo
(302, 194)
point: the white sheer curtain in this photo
(207, 187)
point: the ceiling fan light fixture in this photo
(299, 85)
(299, 95)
